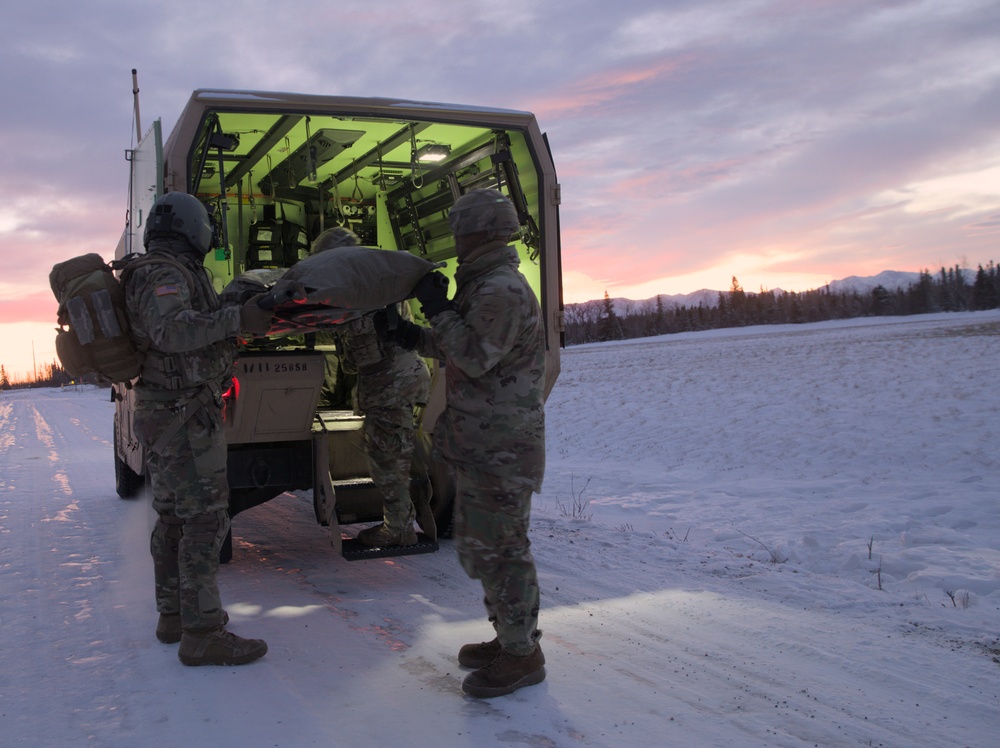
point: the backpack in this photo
(93, 333)
(276, 244)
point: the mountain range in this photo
(888, 279)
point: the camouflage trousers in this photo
(191, 499)
(491, 529)
(389, 441)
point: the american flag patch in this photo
(165, 290)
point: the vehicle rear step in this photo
(354, 550)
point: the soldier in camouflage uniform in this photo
(492, 431)
(391, 384)
(189, 341)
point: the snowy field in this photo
(772, 536)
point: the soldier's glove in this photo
(380, 321)
(406, 334)
(432, 293)
(254, 318)
(392, 328)
(285, 291)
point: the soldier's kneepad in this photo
(166, 536)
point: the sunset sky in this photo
(785, 142)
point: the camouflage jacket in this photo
(189, 338)
(493, 346)
(388, 376)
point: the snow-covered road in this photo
(666, 619)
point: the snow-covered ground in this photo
(777, 536)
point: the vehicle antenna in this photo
(135, 100)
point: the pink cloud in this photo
(600, 88)
(40, 306)
(655, 185)
(987, 226)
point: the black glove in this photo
(285, 291)
(253, 317)
(432, 292)
(380, 321)
(406, 334)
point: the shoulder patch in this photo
(166, 290)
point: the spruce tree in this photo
(609, 327)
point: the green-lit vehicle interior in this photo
(391, 181)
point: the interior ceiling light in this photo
(432, 152)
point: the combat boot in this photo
(168, 627)
(219, 647)
(478, 655)
(380, 536)
(506, 674)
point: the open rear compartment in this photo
(277, 179)
(276, 170)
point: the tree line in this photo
(945, 291)
(45, 375)
(595, 321)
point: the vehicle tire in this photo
(128, 483)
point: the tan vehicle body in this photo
(294, 165)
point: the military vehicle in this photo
(276, 169)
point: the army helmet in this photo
(338, 236)
(183, 215)
(488, 211)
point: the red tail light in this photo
(229, 398)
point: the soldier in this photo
(189, 340)
(391, 384)
(492, 431)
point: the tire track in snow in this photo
(61, 584)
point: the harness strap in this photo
(187, 410)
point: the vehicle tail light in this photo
(229, 398)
